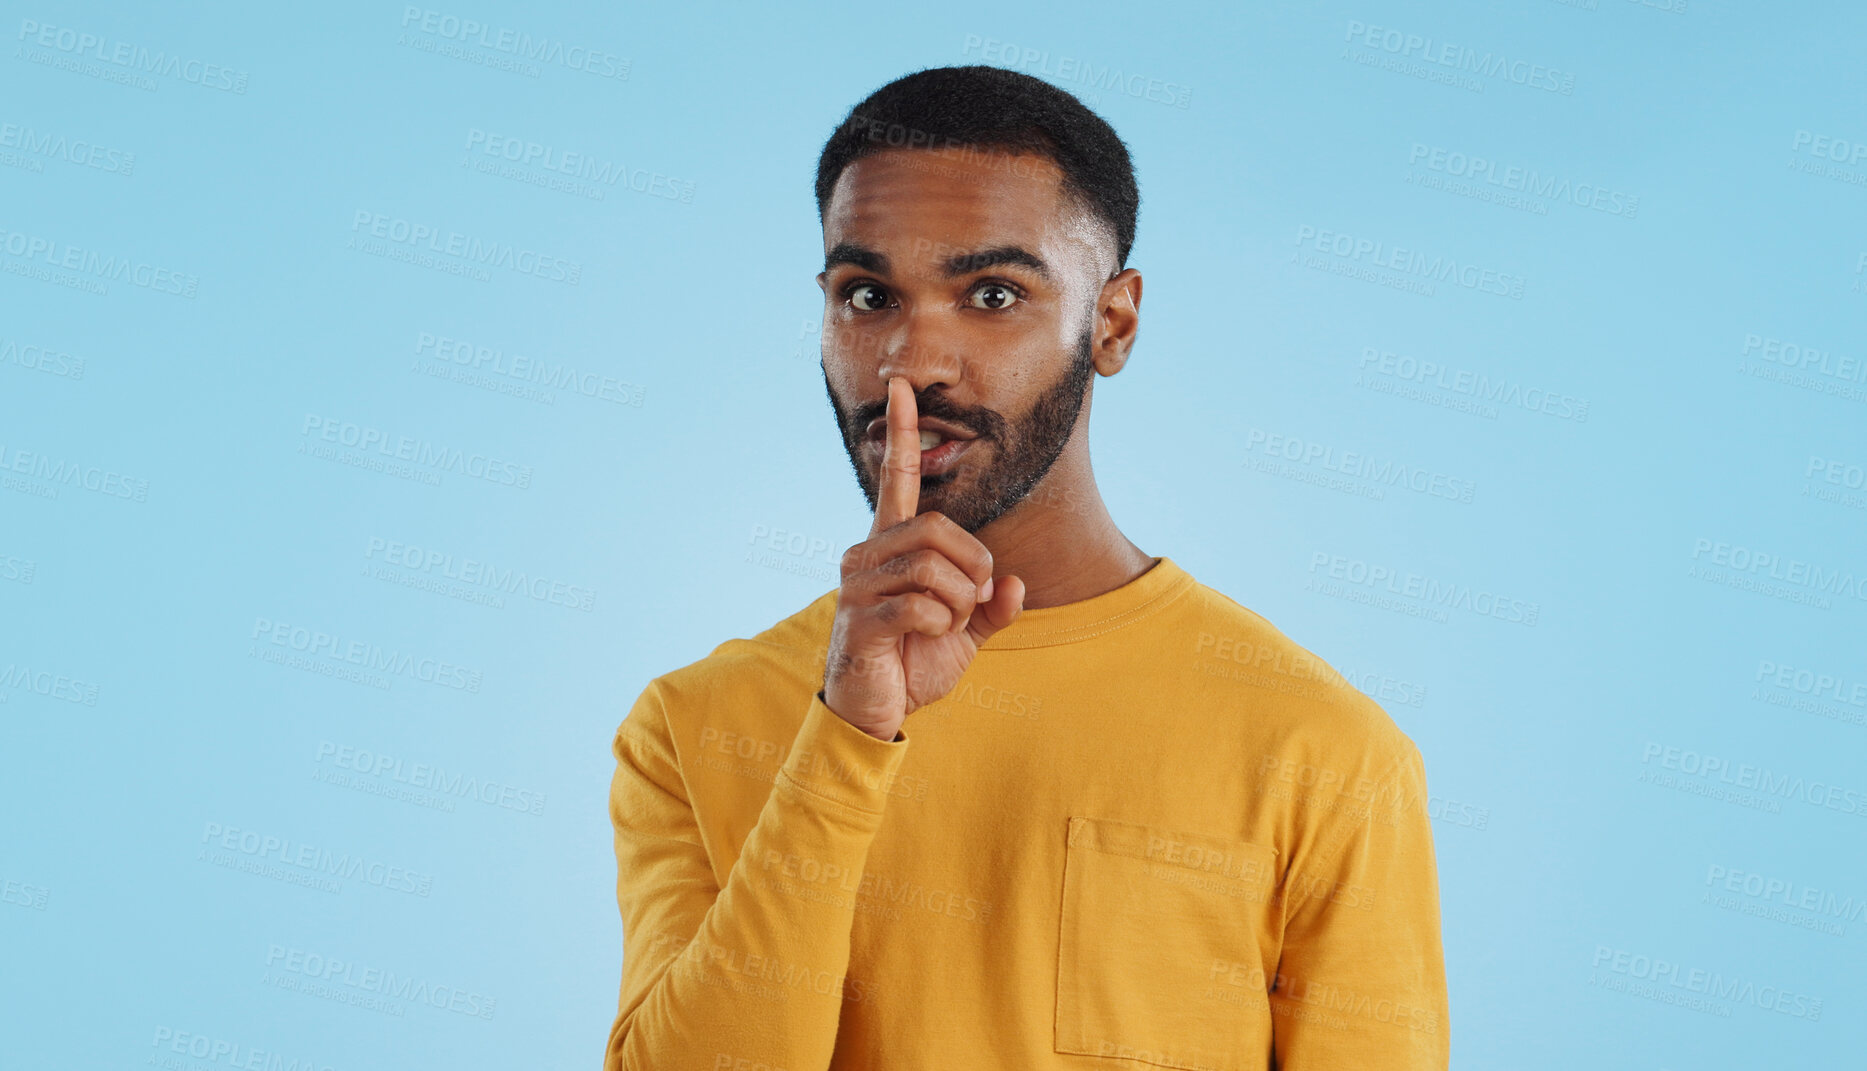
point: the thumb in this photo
(1002, 609)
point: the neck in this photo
(1061, 540)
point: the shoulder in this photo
(742, 677)
(1312, 715)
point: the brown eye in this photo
(868, 297)
(993, 296)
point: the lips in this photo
(878, 429)
(935, 462)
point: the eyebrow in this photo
(992, 258)
(861, 256)
(959, 264)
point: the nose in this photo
(917, 348)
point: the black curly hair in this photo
(982, 107)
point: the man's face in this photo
(970, 273)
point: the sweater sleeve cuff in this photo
(836, 760)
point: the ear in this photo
(1118, 321)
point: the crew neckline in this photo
(1073, 622)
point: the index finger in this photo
(900, 495)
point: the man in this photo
(1017, 794)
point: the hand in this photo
(918, 597)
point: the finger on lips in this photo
(968, 565)
(900, 494)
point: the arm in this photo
(753, 970)
(1362, 980)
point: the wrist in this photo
(895, 739)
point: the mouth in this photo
(941, 443)
(938, 455)
(934, 431)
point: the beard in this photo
(975, 493)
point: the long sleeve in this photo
(1362, 982)
(754, 971)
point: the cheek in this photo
(850, 348)
(839, 369)
(1006, 367)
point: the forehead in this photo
(966, 198)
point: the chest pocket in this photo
(1158, 960)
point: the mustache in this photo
(985, 422)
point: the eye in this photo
(994, 296)
(868, 297)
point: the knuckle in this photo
(853, 558)
(953, 582)
(932, 610)
(981, 557)
(926, 567)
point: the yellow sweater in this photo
(1146, 828)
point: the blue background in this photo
(173, 520)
